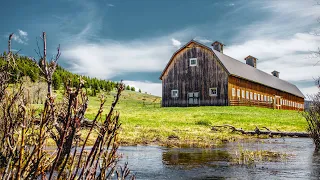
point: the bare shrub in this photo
(24, 131)
(312, 116)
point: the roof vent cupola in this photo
(275, 73)
(218, 46)
(251, 61)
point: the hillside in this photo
(145, 122)
(25, 67)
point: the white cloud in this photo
(145, 86)
(21, 37)
(176, 42)
(110, 5)
(203, 40)
(284, 18)
(111, 58)
(231, 4)
(282, 41)
(309, 91)
(288, 56)
(269, 48)
(22, 33)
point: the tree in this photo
(139, 90)
(133, 89)
(128, 88)
(56, 81)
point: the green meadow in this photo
(145, 122)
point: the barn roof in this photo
(250, 73)
(239, 69)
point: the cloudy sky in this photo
(134, 40)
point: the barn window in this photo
(258, 97)
(247, 94)
(213, 91)
(174, 93)
(251, 95)
(243, 95)
(193, 62)
(233, 92)
(255, 96)
(265, 98)
(238, 92)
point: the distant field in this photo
(149, 123)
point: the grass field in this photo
(151, 124)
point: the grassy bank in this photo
(145, 122)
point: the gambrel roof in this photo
(244, 71)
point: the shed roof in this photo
(239, 69)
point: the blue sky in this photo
(133, 40)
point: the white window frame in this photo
(233, 92)
(210, 94)
(251, 95)
(247, 95)
(243, 94)
(265, 98)
(259, 97)
(191, 59)
(262, 97)
(255, 96)
(238, 93)
(173, 90)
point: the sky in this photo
(134, 40)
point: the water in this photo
(154, 162)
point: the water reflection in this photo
(315, 171)
(195, 157)
(153, 162)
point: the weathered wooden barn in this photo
(198, 75)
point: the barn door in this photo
(193, 99)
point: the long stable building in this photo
(198, 75)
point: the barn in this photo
(198, 75)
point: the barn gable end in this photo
(196, 80)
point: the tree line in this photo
(25, 66)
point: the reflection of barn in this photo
(199, 75)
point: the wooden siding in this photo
(242, 84)
(208, 73)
